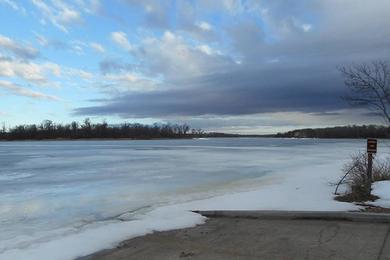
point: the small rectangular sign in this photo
(371, 145)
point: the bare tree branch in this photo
(369, 86)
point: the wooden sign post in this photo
(371, 149)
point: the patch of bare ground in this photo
(373, 209)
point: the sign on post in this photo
(371, 149)
(371, 145)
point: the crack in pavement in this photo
(384, 243)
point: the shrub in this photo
(358, 185)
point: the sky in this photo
(238, 66)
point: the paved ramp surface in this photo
(224, 238)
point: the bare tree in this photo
(50, 130)
(369, 86)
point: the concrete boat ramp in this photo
(242, 235)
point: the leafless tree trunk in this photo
(369, 86)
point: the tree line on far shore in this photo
(364, 131)
(50, 130)
(87, 130)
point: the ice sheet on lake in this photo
(96, 193)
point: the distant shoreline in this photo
(50, 131)
(130, 139)
(184, 138)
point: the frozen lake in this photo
(51, 190)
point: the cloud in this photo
(42, 40)
(78, 73)
(205, 26)
(113, 65)
(172, 57)
(97, 47)
(208, 50)
(13, 5)
(129, 77)
(219, 95)
(32, 73)
(306, 27)
(58, 13)
(191, 23)
(117, 75)
(15, 89)
(155, 13)
(28, 71)
(90, 6)
(74, 46)
(40, 74)
(17, 49)
(127, 82)
(120, 38)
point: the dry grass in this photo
(356, 196)
(374, 209)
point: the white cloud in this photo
(97, 47)
(21, 91)
(68, 16)
(173, 57)
(120, 38)
(58, 13)
(71, 72)
(129, 77)
(42, 74)
(306, 27)
(27, 71)
(19, 50)
(13, 5)
(53, 68)
(33, 73)
(207, 49)
(128, 81)
(77, 48)
(205, 26)
(89, 6)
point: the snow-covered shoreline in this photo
(382, 190)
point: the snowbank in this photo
(382, 190)
(99, 236)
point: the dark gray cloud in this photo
(114, 65)
(233, 93)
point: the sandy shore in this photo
(246, 238)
